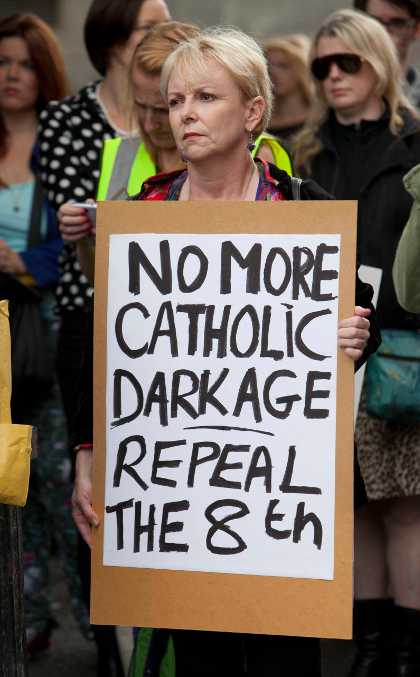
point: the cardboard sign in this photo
(223, 449)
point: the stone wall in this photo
(260, 17)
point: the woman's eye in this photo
(172, 103)
(28, 65)
(205, 96)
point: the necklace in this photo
(16, 194)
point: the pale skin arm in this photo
(353, 335)
(83, 513)
(76, 227)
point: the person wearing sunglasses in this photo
(401, 18)
(360, 139)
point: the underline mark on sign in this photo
(227, 428)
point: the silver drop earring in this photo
(251, 143)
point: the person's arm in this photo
(38, 263)
(353, 333)
(41, 261)
(83, 513)
(407, 258)
(84, 516)
(76, 228)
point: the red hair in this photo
(46, 58)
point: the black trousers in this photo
(221, 654)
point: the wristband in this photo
(87, 446)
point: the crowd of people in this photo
(185, 113)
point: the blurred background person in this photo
(72, 132)
(71, 136)
(32, 73)
(127, 162)
(288, 60)
(401, 18)
(360, 139)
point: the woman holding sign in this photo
(219, 97)
(362, 137)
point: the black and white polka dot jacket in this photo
(71, 135)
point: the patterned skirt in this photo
(389, 456)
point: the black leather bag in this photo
(31, 362)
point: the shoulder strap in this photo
(142, 169)
(296, 186)
(126, 153)
(108, 155)
(34, 232)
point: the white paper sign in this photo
(221, 403)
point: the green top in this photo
(406, 270)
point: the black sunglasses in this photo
(348, 63)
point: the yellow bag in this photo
(15, 461)
(15, 440)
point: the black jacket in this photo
(384, 206)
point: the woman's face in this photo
(348, 94)
(209, 116)
(282, 73)
(150, 13)
(151, 109)
(19, 86)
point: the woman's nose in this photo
(13, 71)
(188, 111)
(335, 71)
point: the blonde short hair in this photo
(296, 48)
(237, 52)
(364, 36)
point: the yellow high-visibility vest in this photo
(281, 157)
(126, 165)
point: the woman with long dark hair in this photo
(32, 74)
